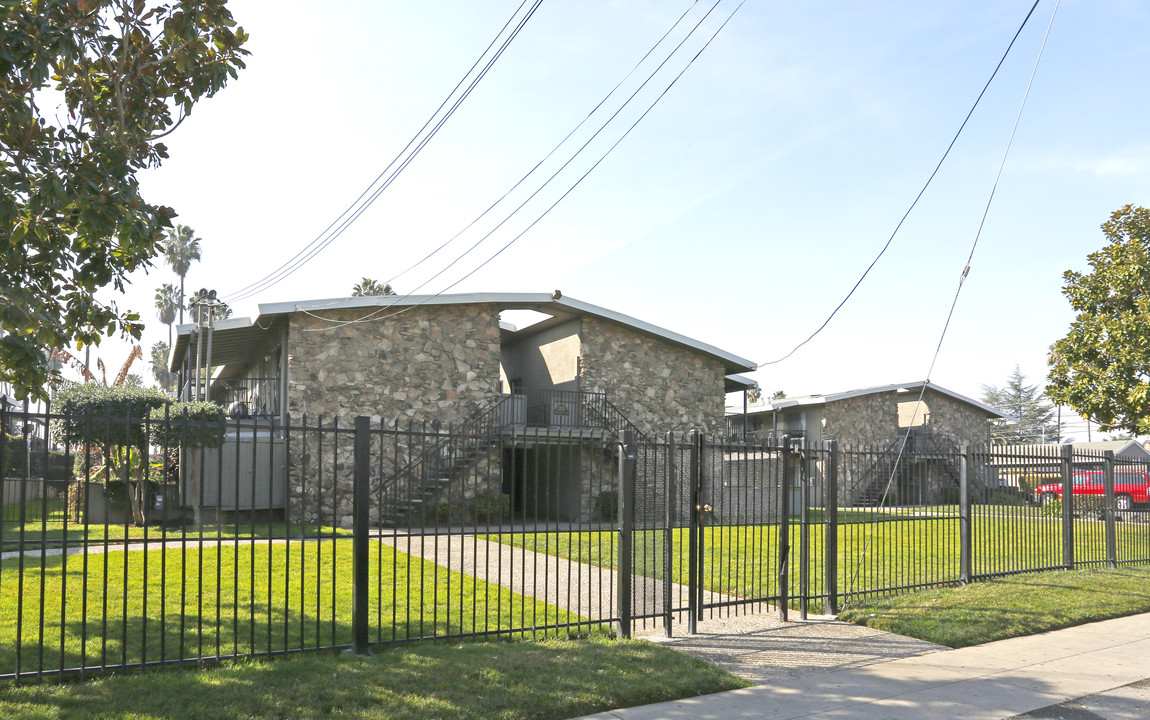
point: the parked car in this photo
(1130, 488)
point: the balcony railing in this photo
(248, 397)
(563, 409)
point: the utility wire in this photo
(353, 211)
(555, 149)
(961, 280)
(916, 197)
(375, 317)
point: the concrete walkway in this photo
(580, 588)
(1054, 673)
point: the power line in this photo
(966, 267)
(357, 207)
(375, 316)
(555, 149)
(916, 197)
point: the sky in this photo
(742, 207)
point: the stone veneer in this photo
(425, 364)
(657, 385)
(436, 362)
(872, 420)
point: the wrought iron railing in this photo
(248, 397)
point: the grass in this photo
(529, 681)
(170, 603)
(877, 551)
(1010, 606)
(46, 524)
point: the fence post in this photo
(668, 538)
(694, 561)
(965, 559)
(702, 512)
(1067, 507)
(831, 531)
(1108, 494)
(359, 544)
(627, 458)
(785, 529)
(804, 531)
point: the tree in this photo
(181, 249)
(1102, 367)
(87, 91)
(159, 363)
(110, 421)
(168, 301)
(754, 393)
(367, 286)
(1028, 405)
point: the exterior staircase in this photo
(409, 497)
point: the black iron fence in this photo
(279, 537)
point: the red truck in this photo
(1130, 487)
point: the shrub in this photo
(99, 414)
(1006, 496)
(16, 459)
(492, 506)
(608, 503)
(187, 424)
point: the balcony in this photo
(248, 397)
(562, 409)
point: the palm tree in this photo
(168, 301)
(181, 248)
(159, 362)
(367, 286)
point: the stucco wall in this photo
(428, 363)
(548, 360)
(657, 385)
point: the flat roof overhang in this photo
(234, 342)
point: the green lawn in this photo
(46, 524)
(514, 681)
(141, 606)
(1009, 606)
(877, 550)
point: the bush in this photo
(492, 506)
(608, 503)
(99, 414)
(1006, 496)
(16, 460)
(188, 424)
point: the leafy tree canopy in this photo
(367, 286)
(88, 88)
(105, 414)
(1102, 367)
(1028, 405)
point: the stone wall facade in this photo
(865, 421)
(436, 362)
(956, 420)
(872, 420)
(657, 385)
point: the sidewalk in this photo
(993, 681)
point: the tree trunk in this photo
(134, 490)
(193, 486)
